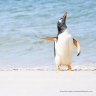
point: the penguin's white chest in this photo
(64, 48)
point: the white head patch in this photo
(60, 20)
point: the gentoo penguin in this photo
(63, 45)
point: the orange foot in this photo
(70, 68)
(58, 67)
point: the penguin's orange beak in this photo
(64, 17)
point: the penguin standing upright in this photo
(63, 45)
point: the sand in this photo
(47, 83)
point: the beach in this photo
(47, 83)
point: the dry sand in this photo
(47, 83)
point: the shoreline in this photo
(40, 69)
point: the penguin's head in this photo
(61, 25)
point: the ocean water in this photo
(24, 22)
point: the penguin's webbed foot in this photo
(69, 68)
(58, 68)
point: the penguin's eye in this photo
(60, 22)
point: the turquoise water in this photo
(23, 22)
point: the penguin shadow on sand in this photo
(63, 45)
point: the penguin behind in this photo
(63, 45)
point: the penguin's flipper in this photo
(50, 38)
(76, 43)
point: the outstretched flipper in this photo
(50, 38)
(76, 43)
